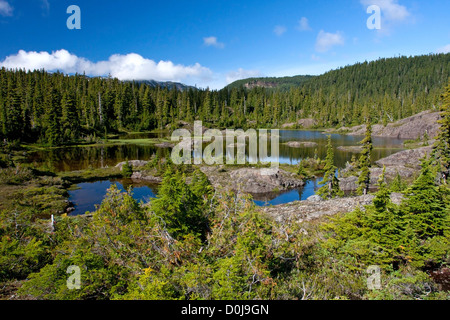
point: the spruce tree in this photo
(127, 169)
(330, 184)
(365, 161)
(441, 149)
(52, 117)
(179, 207)
(69, 119)
(424, 206)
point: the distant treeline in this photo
(54, 109)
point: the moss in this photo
(90, 175)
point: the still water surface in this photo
(90, 194)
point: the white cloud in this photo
(314, 57)
(5, 8)
(444, 49)
(303, 24)
(241, 74)
(212, 42)
(124, 67)
(279, 30)
(325, 41)
(390, 9)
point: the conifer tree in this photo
(179, 207)
(14, 121)
(365, 161)
(53, 132)
(330, 188)
(69, 119)
(424, 206)
(441, 149)
(127, 169)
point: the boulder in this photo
(134, 163)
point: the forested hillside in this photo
(55, 109)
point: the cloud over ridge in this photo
(130, 66)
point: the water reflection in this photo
(288, 196)
(79, 158)
(89, 195)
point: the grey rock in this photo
(410, 158)
(409, 128)
(134, 163)
(140, 176)
(252, 180)
(309, 210)
(315, 198)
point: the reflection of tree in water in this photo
(80, 158)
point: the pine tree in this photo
(330, 188)
(365, 161)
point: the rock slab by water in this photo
(253, 180)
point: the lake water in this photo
(90, 194)
(80, 158)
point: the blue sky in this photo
(211, 43)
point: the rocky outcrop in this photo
(408, 158)
(315, 198)
(301, 144)
(405, 163)
(351, 183)
(141, 176)
(253, 180)
(260, 84)
(303, 123)
(134, 163)
(308, 210)
(413, 127)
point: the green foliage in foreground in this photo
(196, 243)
